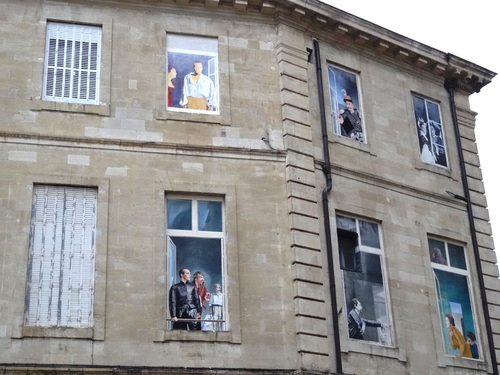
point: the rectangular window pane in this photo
(179, 214)
(210, 216)
(369, 234)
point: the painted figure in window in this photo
(216, 311)
(198, 91)
(437, 256)
(216, 305)
(471, 340)
(357, 324)
(425, 145)
(199, 281)
(184, 303)
(437, 144)
(457, 340)
(172, 74)
(350, 120)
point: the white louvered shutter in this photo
(72, 63)
(62, 253)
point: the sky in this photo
(469, 30)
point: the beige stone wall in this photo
(263, 155)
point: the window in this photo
(453, 292)
(192, 74)
(360, 251)
(60, 280)
(430, 132)
(72, 60)
(196, 242)
(345, 101)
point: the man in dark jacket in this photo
(356, 323)
(184, 303)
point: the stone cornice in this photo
(314, 15)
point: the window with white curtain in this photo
(72, 63)
(61, 265)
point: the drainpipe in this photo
(450, 84)
(326, 212)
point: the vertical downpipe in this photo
(326, 212)
(450, 84)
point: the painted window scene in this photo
(192, 74)
(430, 132)
(366, 297)
(456, 311)
(195, 264)
(345, 101)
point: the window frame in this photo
(173, 54)
(362, 248)
(91, 33)
(353, 90)
(436, 284)
(57, 199)
(232, 298)
(97, 332)
(195, 232)
(439, 142)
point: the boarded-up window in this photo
(72, 63)
(60, 287)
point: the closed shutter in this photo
(62, 257)
(72, 63)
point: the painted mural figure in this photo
(172, 74)
(356, 323)
(199, 281)
(350, 120)
(425, 145)
(471, 340)
(437, 256)
(184, 302)
(457, 340)
(216, 305)
(198, 91)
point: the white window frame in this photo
(194, 232)
(380, 253)
(335, 109)
(68, 76)
(61, 265)
(434, 146)
(457, 271)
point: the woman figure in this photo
(457, 340)
(425, 153)
(172, 73)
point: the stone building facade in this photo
(139, 138)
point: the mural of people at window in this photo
(345, 101)
(195, 244)
(192, 74)
(366, 297)
(456, 311)
(430, 132)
